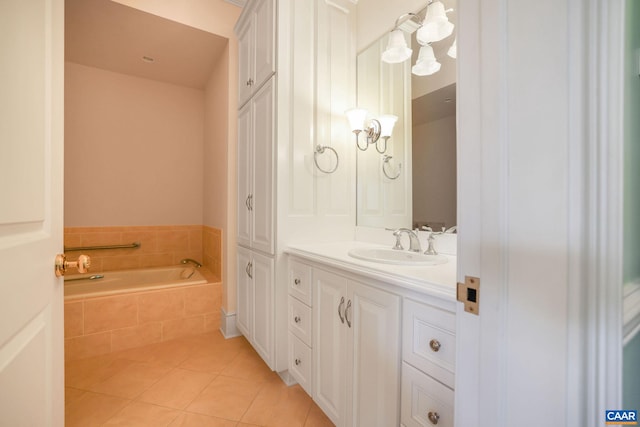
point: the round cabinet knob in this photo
(296, 281)
(433, 417)
(297, 319)
(435, 345)
(298, 362)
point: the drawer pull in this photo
(297, 319)
(296, 281)
(435, 345)
(298, 362)
(433, 417)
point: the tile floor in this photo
(202, 380)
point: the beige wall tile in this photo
(201, 299)
(103, 314)
(174, 240)
(182, 327)
(156, 260)
(73, 319)
(212, 322)
(136, 336)
(87, 346)
(161, 305)
(114, 263)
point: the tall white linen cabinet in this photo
(296, 79)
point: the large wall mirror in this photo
(413, 183)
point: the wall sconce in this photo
(434, 27)
(382, 127)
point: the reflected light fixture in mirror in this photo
(397, 49)
(380, 127)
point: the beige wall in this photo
(434, 180)
(133, 150)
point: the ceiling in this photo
(114, 37)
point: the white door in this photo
(31, 160)
(245, 174)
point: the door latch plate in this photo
(468, 293)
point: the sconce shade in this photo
(453, 50)
(387, 122)
(436, 25)
(426, 63)
(397, 50)
(356, 117)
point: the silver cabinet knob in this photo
(435, 345)
(297, 319)
(297, 362)
(434, 417)
(296, 281)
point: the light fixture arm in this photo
(372, 134)
(385, 138)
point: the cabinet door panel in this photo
(330, 345)
(244, 320)
(245, 175)
(246, 36)
(262, 202)
(263, 340)
(374, 385)
(264, 65)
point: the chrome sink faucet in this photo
(192, 261)
(414, 242)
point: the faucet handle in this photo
(396, 232)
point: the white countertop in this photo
(437, 280)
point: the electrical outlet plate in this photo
(468, 293)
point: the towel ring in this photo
(385, 162)
(320, 150)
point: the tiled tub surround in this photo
(102, 325)
(160, 246)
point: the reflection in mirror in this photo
(413, 183)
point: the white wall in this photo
(133, 150)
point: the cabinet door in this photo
(244, 318)
(263, 333)
(262, 200)
(373, 318)
(264, 55)
(245, 174)
(329, 344)
(246, 39)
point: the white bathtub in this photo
(79, 286)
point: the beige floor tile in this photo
(138, 414)
(278, 405)
(317, 418)
(177, 389)
(226, 398)
(212, 361)
(71, 395)
(248, 365)
(186, 419)
(131, 381)
(93, 409)
(170, 352)
(84, 373)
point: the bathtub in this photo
(87, 285)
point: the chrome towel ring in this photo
(385, 162)
(320, 150)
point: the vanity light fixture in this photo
(433, 28)
(376, 128)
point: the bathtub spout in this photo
(192, 261)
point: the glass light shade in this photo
(387, 122)
(453, 50)
(397, 50)
(436, 25)
(356, 117)
(426, 63)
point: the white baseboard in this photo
(228, 324)
(287, 378)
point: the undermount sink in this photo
(393, 256)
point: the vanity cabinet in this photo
(356, 351)
(255, 277)
(256, 47)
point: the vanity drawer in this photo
(425, 402)
(300, 281)
(300, 320)
(300, 362)
(429, 341)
